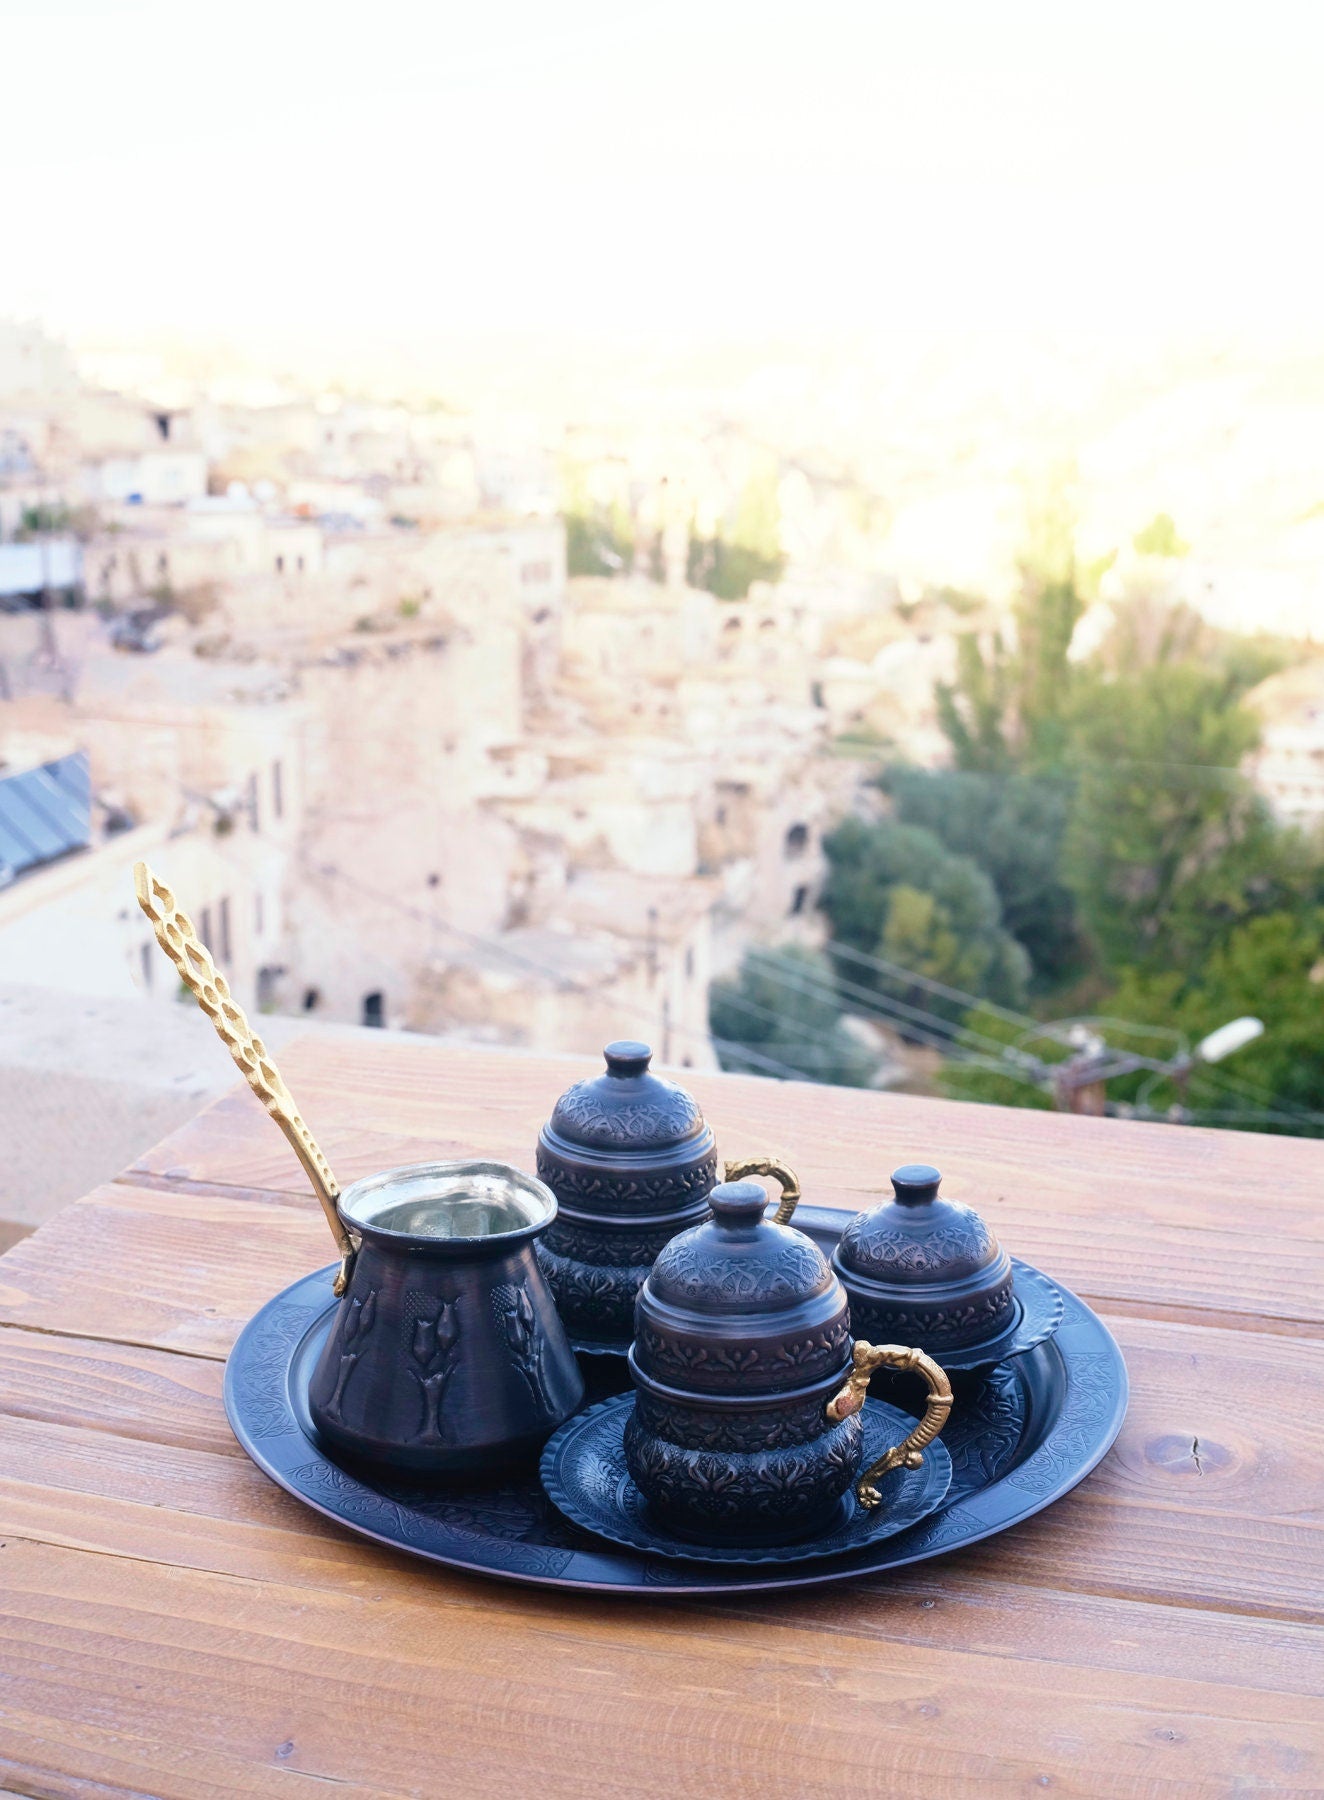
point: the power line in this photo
(1285, 1110)
(772, 1065)
(732, 998)
(214, 705)
(899, 970)
(954, 1041)
(953, 1051)
(951, 1040)
(1101, 1022)
(885, 1005)
(974, 1003)
(1269, 1106)
(783, 1071)
(494, 947)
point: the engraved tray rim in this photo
(1076, 1393)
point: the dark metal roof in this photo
(45, 813)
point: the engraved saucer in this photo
(1038, 1308)
(583, 1473)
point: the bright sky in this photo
(758, 167)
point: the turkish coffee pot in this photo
(446, 1355)
(748, 1386)
(631, 1162)
(925, 1269)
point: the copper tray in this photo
(1021, 1435)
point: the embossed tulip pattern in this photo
(358, 1322)
(433, 1348)
(514, 1311)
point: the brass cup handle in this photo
(775, 1170)
(849, 1399)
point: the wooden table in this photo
(175, 1625)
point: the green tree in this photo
(757, 526)
(1010, 703)
(599, 541)
(1046, 621)
(1013, 827)
(782, 1009)
(42, 520)
(1160, 538)
(1271, 967)
(727, 569)
(1161, 817)
(979, 1070)
(748, 548)
(1149, 631)
(1106, 802)
(974, 711)
(56, 518)
(896, 891)
(918, 934)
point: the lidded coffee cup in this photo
(631, 1162)
(923, 1269)
(742, 1429)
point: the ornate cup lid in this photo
(628, 1111)
(918, 1239)
(740, 1304)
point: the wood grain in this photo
(133, 1393)
(175, 1271)
(1148, 1216)
(1206, 1500)
(392, 1693)
(173, 1625)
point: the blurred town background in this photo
(870, 701)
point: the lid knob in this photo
(626, 1057)
(737, 1202)
(915, 1184)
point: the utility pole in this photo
(1080, 1084)
(1079, 1088)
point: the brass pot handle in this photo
(775, 1170)
(181, 943)
(848, 1400)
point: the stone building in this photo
(401, 771)
(69, 920)
(1288, 766)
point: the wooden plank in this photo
(147, 1395)
(255, 1526)
(1210, 1498)
(229, 1146)
(1147, 1216)
(162, 1602)
(1201, 1464)
(418, 1089)
(400, 1691)
(153, 1267)
(950, 1606)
